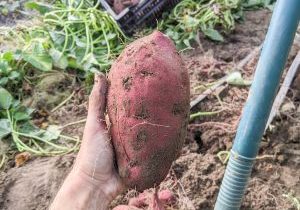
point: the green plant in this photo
(74, 34)
(209, 16)
(256, 4)
(235, 78)
(223, 156)
(203, 114)
(8, 72)
(15, 123)
(23, 65)
(80, 35)
(3, 159)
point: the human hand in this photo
(95, 160)
(93, 182)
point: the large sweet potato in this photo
(148, 107)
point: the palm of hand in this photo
(95, 160)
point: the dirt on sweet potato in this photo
(148, 108)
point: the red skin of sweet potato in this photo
(148, 107)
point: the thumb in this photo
(97, 102)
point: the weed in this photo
(190, 16)
(15, 122)
(80, 35)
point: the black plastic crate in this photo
(146, 13)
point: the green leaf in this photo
(173, 34)
(30, 129)
(191, 22)
(57, 38)
(59, 59)
(38, 57)
(41, 8)
(14, 75)
(5, 128)
(73, 63)
(52, 133)
(4, 11)
(213, 34)
(5, 99)
(111, 36)
(187, 43)
(81, 42)
(20, 112)
(3, 81)
(73, 17)
(21, 116)
(18, 55)
(15, 104)
(42, 62)
(235, 78)
(4, 67)
(90, 62)
(8, 56)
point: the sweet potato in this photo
(148, 108)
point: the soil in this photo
(33, 185)
(13, 12)
(195, 177)
(16, 18)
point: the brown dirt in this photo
(196, 175)
(13, 12)
(33, 185)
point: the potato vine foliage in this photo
(82, 36)
(208, 16)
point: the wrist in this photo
(108, 188)
(78, 192)
(99, 174)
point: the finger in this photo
(97, 100)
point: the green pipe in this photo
(269, 69)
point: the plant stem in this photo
(2, 160)
(200, 114)
(63, 102)
(41, 139)
(73, 123)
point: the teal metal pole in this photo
(269, 69)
